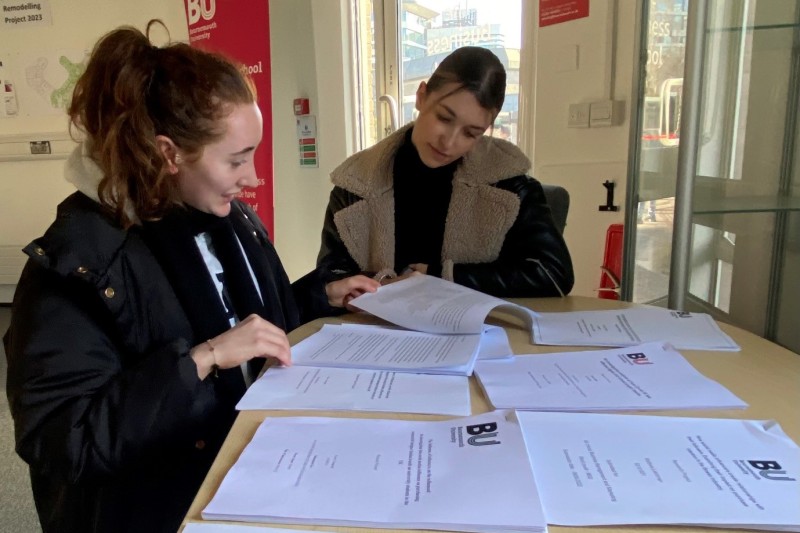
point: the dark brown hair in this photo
(476, 70)
(132, 91)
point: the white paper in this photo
(354, 346)
(434, 305)
(602, 469)
(644, 377)
(494, 344)
(465, 474)
(305, 387)
(627, 327)
(199, 527)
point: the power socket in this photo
(40, 147)
(606, 113)
(578, 115)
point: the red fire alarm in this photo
(301, 106)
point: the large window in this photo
(399, 43)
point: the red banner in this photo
(557, 11)
(240, 30)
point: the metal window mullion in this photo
(634, 153)
(687, 156)
(788, 162)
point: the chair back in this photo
(558, 200)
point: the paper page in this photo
(494, 344)
(356, 346)
(305, 387)
(468, 474)
(494, 340)
(602, 469)
(197, 527)
(646, 376)
(627, 327)
(428, 303)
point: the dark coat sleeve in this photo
(534, 260)
(303, 300)
(334, 261)
(84, 408)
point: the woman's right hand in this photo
(252, 337)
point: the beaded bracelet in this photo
(215, 366)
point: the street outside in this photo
(653, 250)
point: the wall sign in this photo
(307, 141)
(558, 11)
(240, 30)
(17, 14)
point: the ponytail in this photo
(133, 91)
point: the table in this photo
(763, 374)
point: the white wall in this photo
(581, 159)
(31, 190)
(307, 44)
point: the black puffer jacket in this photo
(499, 235)
(109, 413)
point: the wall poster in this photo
(240, 30)
(558, 11)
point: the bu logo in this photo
(770, 470)
(638, 358)
(481, 432)
(200, 8)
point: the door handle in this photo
(392, 104)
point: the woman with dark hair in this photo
(439, 197)
(155, 296)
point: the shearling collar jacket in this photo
(479, 215)
(497, 216)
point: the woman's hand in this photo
(342, 291)
(252, 337)
(420, 268)
(414, 269)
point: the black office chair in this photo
(558, 200)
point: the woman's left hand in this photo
(342, 291)
(422, 268)
(414, 269)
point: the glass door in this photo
(399, 43)
(664, 43)
(726, 196)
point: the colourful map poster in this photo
(38, 84)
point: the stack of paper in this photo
(434, 305)
(444, 331)
(357, 366)
(467, 474)
(400, 350)
(602, 469)
(369, 347)
(374, 368)
(199, 527)
(644, 377)
(303, 387)
(627, 327)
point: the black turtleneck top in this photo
(421, 200)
